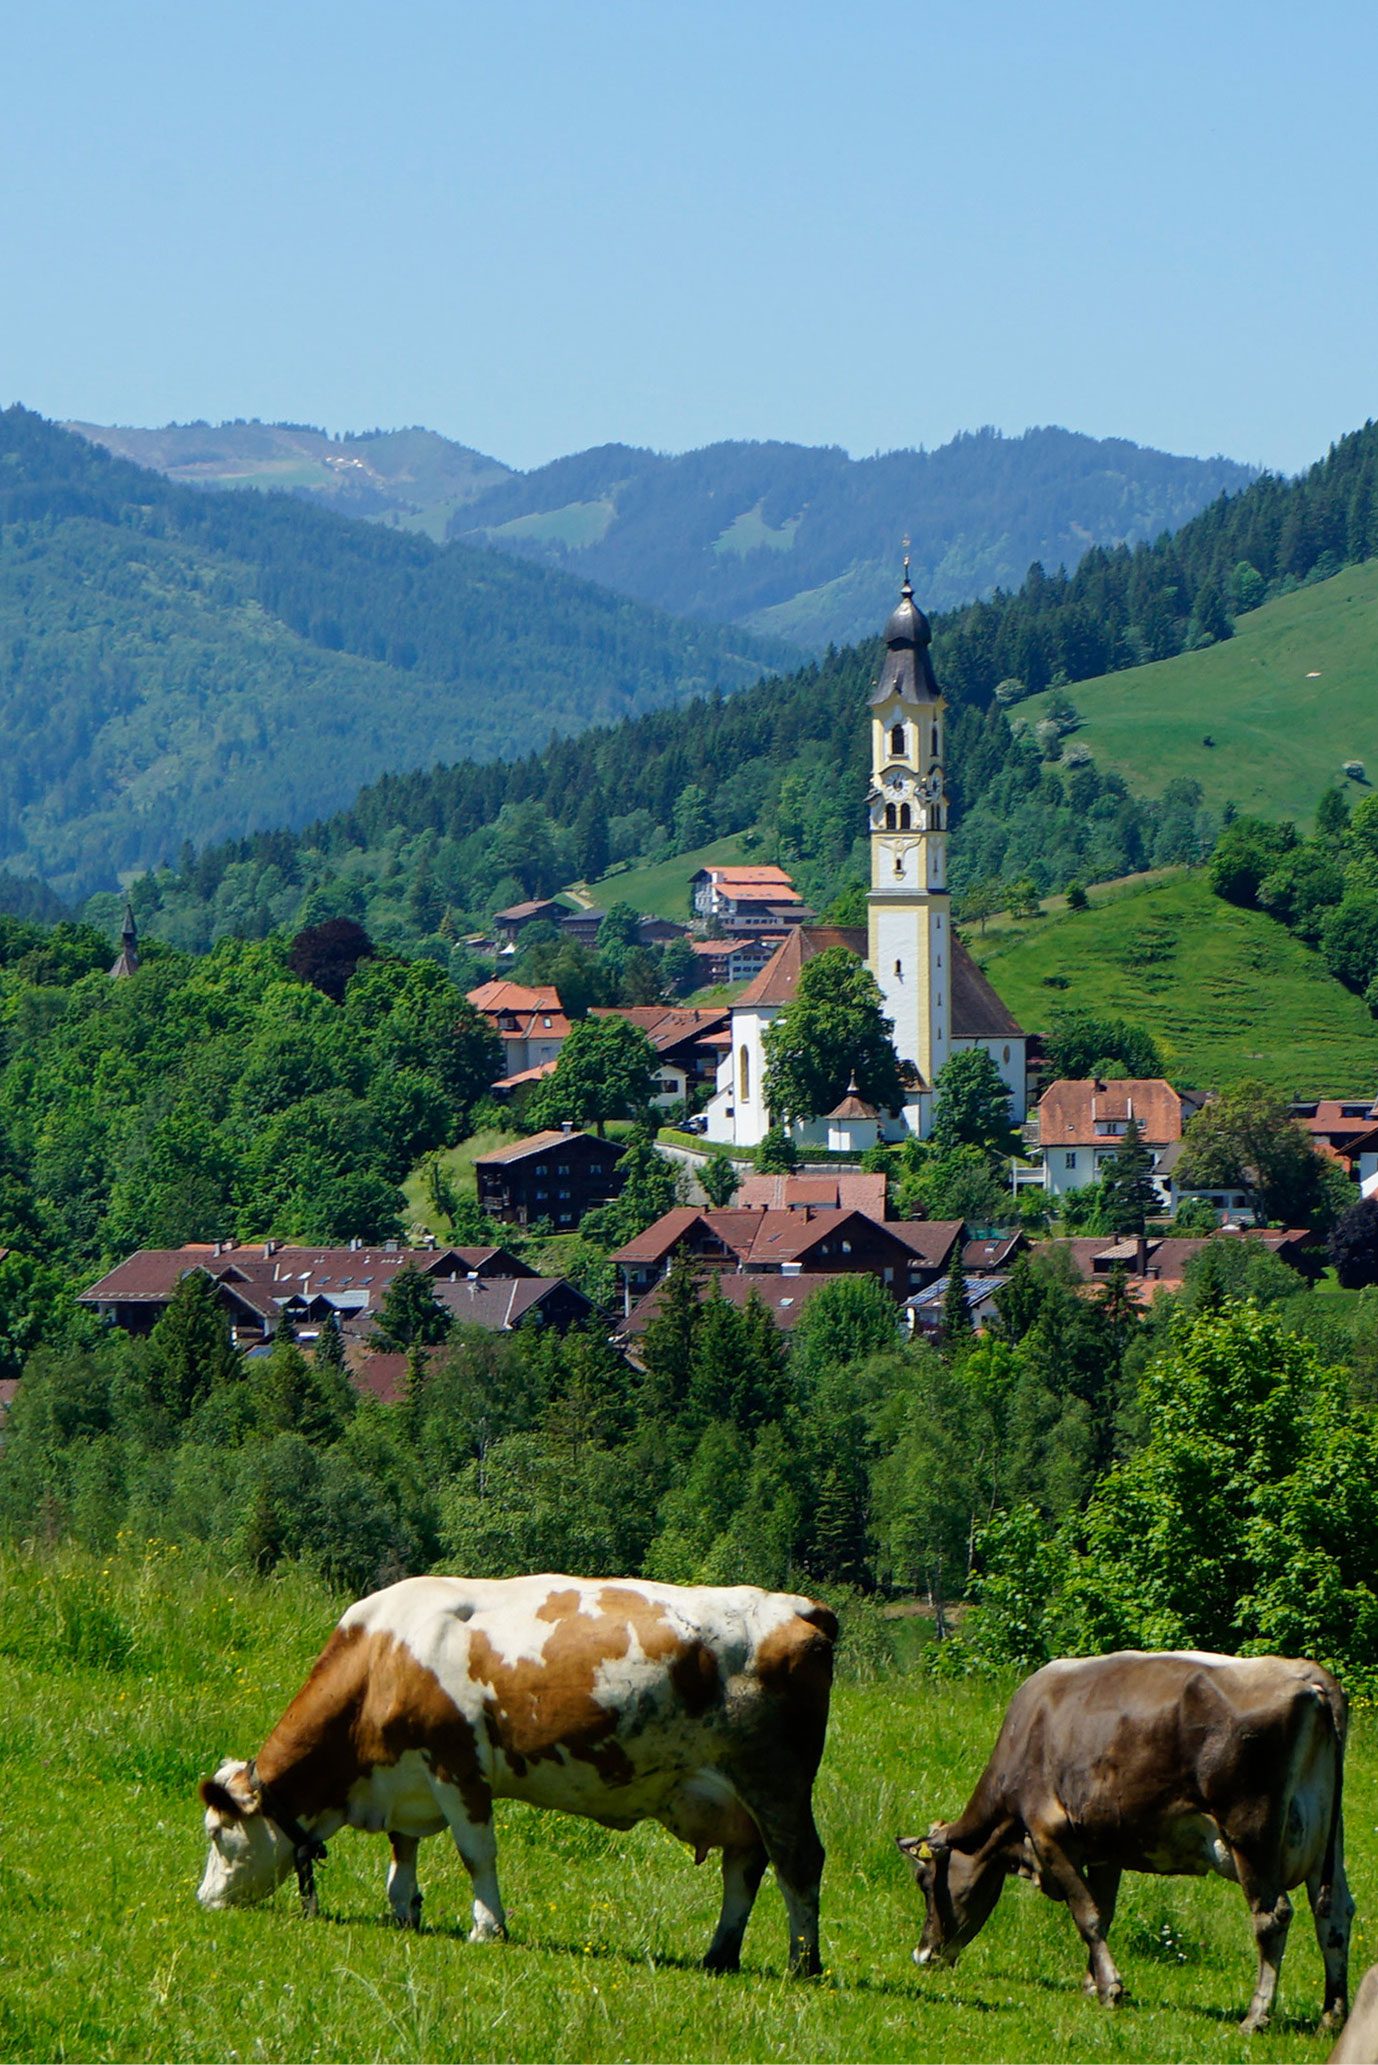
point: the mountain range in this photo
(795, 542)
(178, 666)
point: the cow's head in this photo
(959, 1892)
(249, 1855)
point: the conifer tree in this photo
(956, 1322)
(1127, 1191)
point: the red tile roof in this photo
(514, 996)
(853, 1189)
(1071, 1109)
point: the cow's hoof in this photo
(1252, 2024)
(488, 1932)
(722, 1961)
(808, 1966)
(1332, 2021)
(1112, 1996)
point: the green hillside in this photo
(660, 889)
(1290, 697)
(1226, 993)
(179, 667)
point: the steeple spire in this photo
(127, 962)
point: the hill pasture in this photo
(1285, 702)
(129, 1676)
(1228, 994)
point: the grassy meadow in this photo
(1286, 701)
(1226, 993)
(661, 888)
(128, 1678)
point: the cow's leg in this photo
(1271, 1913)
(470, 1816)
(742, 1871)
(1057, 1867)
(404, 1895)
(793, 1846)
(1332, 1934)
(1104, 1883)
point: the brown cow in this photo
(1158, 1763)
(702, 1708)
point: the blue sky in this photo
(538, 227)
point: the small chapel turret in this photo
(127, 961)
(908, 916)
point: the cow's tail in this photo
(1333, 1701)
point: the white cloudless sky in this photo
(540, 226)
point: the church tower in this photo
(908, 919)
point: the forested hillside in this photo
(796, 541)
(181, 667)
(420, 854)
(414, 478)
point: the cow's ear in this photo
(221, 1799)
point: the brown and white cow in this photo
(1171, 1762)
(702, 1708)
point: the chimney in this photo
(217, 1247)
(566, 1125)
(1141, 1255)
(354, 1245)
(270, 1247)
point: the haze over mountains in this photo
(177, 666)
(795, 542)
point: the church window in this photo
(1007, 1053)
(744, 1074)
(935, 742)
(899, 967)
(889, 817)
(897, 738)
(905, 819)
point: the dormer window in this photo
(897, 739)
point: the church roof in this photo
(907, 671)
(779, 979)
(976, 1011)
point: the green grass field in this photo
(128, 1679)
(1226, 993)
(1286, 700)
(661, 890)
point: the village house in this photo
(509, 925)
(747, 899)
(689, 1044)
(903, 1254)
(530, 1022)
(263, 1281)
(732, 960)
(1153, 1264)
(783, 1297)
(1082, 1123)
(556, 1176)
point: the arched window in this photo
(744, 1073)
(897, 738)
(935, 742)
(889, 817)
(904, 817)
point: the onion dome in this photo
(907, 671)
